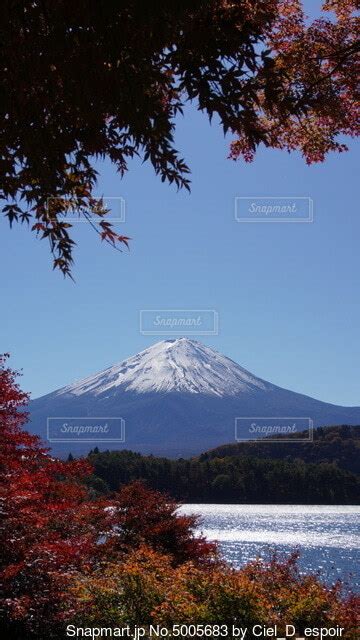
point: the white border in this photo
(266, 439)
(94, 217)
(93, 418)
(266, 219)
(164, 332)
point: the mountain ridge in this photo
(177, 398)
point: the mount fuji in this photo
(176, 398)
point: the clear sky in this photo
(287, 295)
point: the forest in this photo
(339, 444)
(325, 471)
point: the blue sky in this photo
(287, 295)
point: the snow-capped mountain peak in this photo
(180, 365)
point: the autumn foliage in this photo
(310, 99)
(68, 557)
(47, 528)
(91, 80)
(146, 587)
(51, 527)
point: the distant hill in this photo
(339, 445)
(323, 472)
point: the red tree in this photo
(308, 92)
(145, 516)
(51, 527)
(47, 527)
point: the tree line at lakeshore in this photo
(311, 473)
(339, 444)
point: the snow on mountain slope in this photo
(177, 398)
(180, 365)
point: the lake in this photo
(328, 537)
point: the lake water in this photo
(328, 537)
